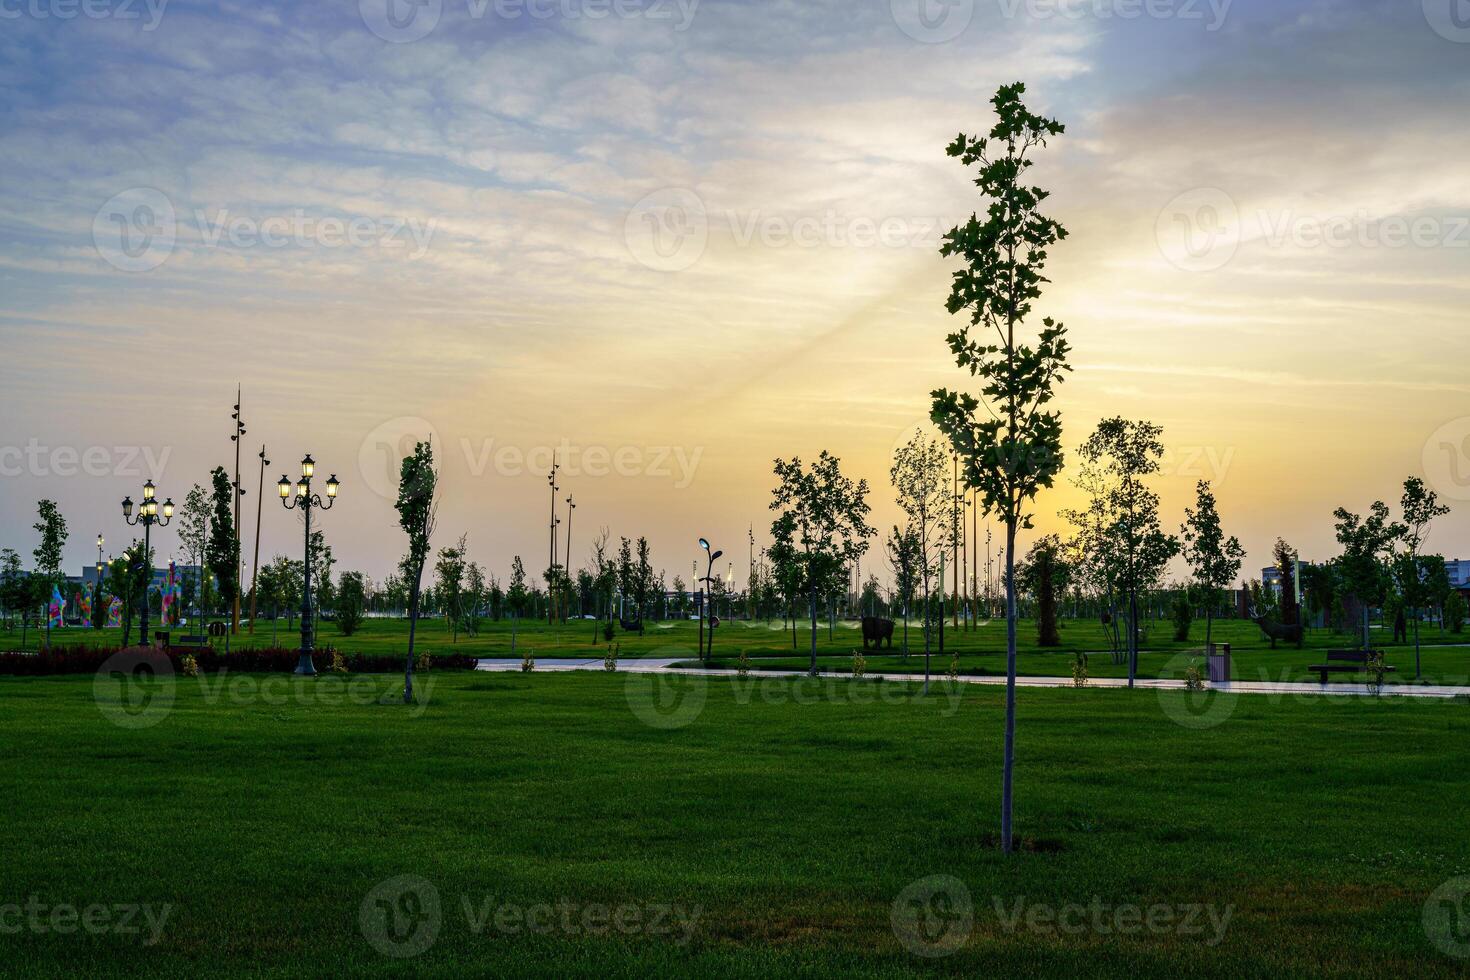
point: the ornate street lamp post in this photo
(306, 501)
(147, 516)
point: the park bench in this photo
(631, 625)
(1345, 662)
(190, 641)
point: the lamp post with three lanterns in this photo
(306, 501)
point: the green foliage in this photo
(1194, 680)
(1214, 558)
(1454, 612)
(51, 526)
(820, 530)
(1181, 610)
(1044, 576)
(1011, 448)
(350, 603)
(223, 551)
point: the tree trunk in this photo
(1006, 798)
(413, 622)
(1132, 635)
(813, 604)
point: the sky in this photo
(667, 241)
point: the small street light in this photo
(147, 516)
(306, 501)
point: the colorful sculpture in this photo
(114, 614)
(54, 610)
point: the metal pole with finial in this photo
(239, 492)
(255, 570)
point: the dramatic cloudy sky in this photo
(672, 241)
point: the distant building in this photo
(1459, 572)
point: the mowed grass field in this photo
(771, 826)
(1445, 656)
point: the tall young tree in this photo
(350, 602)
(1284, 555)
(1420, 506)
(51, 526)
(193, 529)
(223, 553)
(417, 506)
(1010, 446)
(1126, 452)
(1214, 558)
(449, 573)
(643, 580)
(1367, 543)
(904, 558)
(920, 478)
(822, 526)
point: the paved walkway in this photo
(655, 665)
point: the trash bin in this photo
(1217, 656)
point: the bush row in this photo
(88, 660)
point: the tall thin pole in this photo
(239, 492)
(551, 563)
(255, 569)
(975, 555)
(954, 540)
(571, 506)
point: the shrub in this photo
(1454, 612)
(742, 664)
(1193, 679)
(1375, 668)
(954, 666)
(610, 662)
(1183, 615)
(607, 631)
(528, 663)
(188, 666)
(859, 664)
(339, 666)
(1079, 670)
(424, 661)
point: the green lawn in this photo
(1445, 657)
(774, 829)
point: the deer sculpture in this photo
(1291, 633)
